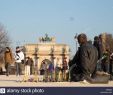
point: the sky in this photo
(27, 20)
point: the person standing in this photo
(98, 44)
(51, 71)
(32, 67)
(19, 56)
(8, 58)
(58, 71)
(65, 69)
(43, 68)
(27, 66)
(106, 61)
(44, 71)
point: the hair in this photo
(28, 57)
(96, 38)
(82, 38)
(8, 48)
(82, 35)
(17, 47)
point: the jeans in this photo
(99, 67)
(7, 68)
(18, 69)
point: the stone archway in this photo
(47, 62)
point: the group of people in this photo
(89, 59)
(20, 62)
(55, 72)
(26, 64)
(105, 55)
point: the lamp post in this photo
(76, 40)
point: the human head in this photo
(7, 49)
(27, 57)
(17, 49)
(82, 38)
(100, 37)
(44, 62)
(96, 38)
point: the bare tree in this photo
(4, 39)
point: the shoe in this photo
(84, 82)
(18, 78)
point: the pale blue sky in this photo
(26, 20)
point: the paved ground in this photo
(11, 82)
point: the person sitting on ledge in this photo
(85, 59)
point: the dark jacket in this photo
(85, 61)
(88, 56)
(29, 62)
(98, 45)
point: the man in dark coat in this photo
(98, 44)
(85, 59)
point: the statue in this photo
(47, 39)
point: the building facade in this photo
(47, 50)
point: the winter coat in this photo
(29, 62)
(8, 57)
(87, 58)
